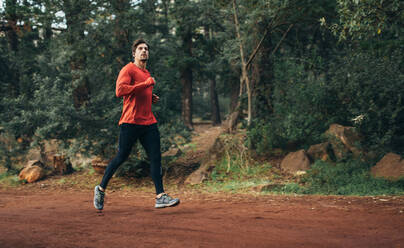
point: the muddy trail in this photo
(66, 218)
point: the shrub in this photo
(350, 178)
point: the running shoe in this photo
(98, 198)
(166, 201)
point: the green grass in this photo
(9, 179)
(345, 178)
(348, 178)
(236, 176)
(233, 186)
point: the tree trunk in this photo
(11, 33)
(244, 80)
(76, 13)
(186, 81)
(262, 81)
(214, 102)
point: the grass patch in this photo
(347, 178)
(234, 175)
(9, 179)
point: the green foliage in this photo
(58, 73)
(370, 85)
(10, 152)
(349, 178)
(303, 108)
(63, 85)
(237, 170)
(170, 131)
(10, 179)
(364, 19)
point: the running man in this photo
(135, 85)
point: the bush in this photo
(303, 108)
(370, 85)
(363, 89)
(350, 178)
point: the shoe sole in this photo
(167, 205)
(95, 192)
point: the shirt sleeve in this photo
(123, 86)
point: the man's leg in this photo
(150, 140)
(127, 137)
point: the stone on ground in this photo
(295, 161)
(32, 172)
(390, 167)
(320, 152)
(343, 140)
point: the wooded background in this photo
(286, 68)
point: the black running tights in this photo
(149, 137)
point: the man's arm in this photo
(123, 86)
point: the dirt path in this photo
(53, 218)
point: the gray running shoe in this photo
(98, 198)
(166, 201)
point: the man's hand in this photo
(152, 82)
(155, 98)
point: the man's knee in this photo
(121, 157)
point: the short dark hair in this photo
(137, 43)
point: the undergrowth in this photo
(233, 175)
(10, 179)
(344, 178)
(349, 178)
(237, 172)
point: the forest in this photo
(283, 70)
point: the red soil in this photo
(55, 218)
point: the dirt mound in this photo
(203, 138)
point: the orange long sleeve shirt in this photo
(135, 85)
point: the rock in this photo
(320, 152)
(207, 164)
(99, 165)
(295, 161)
(343, 140)
(32, 172)
(34, 163)
(390, 167)
(61, 165)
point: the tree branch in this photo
(280, 41)
(259, 44)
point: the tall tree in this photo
(276, 16)
(186, 23)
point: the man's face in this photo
(142, 52)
